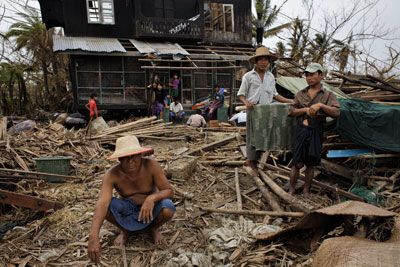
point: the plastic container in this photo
(56, 165)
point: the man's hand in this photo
(314, 109)
(146, 212)
(94, 248)
(249, 105)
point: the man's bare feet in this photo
(157, 236)
(121, 239)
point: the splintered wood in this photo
(212, 193)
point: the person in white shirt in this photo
(239, 118)
(176, 111)
(196, 120)
(258, 88)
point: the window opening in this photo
(100, 11)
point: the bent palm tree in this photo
(265, 18)
(31, 34)
(343, 52)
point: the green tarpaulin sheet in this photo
(369, 124)
(294, 85)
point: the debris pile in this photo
(222, 210)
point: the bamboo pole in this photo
(295, 202)
(255, 212)
(238, 196)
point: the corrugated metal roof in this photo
(90, 44)
(159, 48)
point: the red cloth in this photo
(92, 107)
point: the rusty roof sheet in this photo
(90, 44)
(160, 49)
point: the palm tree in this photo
(281, 49)
(298, 40)
(265, 17)
(344, 51)
(13, 91)
(31, 34)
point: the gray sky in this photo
(385, 14)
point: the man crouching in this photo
(145, 192)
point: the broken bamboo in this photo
(272, 202)
(255, 212)
(295, 202)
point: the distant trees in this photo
(36, 66)
(336, 41)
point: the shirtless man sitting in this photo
(145, 192)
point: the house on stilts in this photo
(117, 47)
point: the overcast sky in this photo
(385, 13)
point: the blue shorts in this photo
(126, 212)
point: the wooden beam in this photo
(185, 60)
(255, 212)
(188, 68)
(269, 197)
(293, 201)
(338, 170)
(25, 201)
(226, 201)
(212, 145)
(40, 173)
(380, 86)
(318, 184)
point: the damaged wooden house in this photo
(117, 47)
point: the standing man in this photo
(258, 87)
(311, 107)
(145, 196)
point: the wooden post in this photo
(318, 184)
(295, 202)
(269, 197)
(238, 196)
(255, 212)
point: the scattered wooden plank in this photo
(318, 184)
(26, 201)
(269, 197)
(338, 170)
(293, 201)
(3, 128)
(226, 201)
(238, 195)
(211, 146)
(255, 212)
(40, 173)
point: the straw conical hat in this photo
(261, 51)
(128, 146)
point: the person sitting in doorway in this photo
(176, 111)
(145, 196)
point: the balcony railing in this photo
(170, 28)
